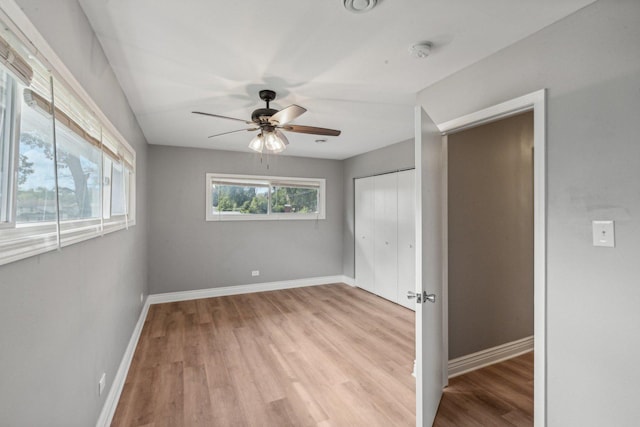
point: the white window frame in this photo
(10, 158)
(260, 180)
(19, 240)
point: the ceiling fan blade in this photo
(285, 115)
(311, 129)
(221, 117)
(233, 131)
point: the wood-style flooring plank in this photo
(498, 395)
(329, 355)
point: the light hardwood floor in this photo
(328, 355)
(498, 395)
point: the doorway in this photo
(490, 241)
(430, 159)
(490, 270)
(536, 103)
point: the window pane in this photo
(127, 190)
(239, 200)
(117, 190)
(294, 199)
(36, 197)
(7, 90)
(78, 176)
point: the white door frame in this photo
(536, 102)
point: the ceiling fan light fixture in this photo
(269, 141)
(359, 6)
(257, 143)
(272, 143)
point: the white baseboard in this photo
(349, 281)
(111, 402)
(244, 289)
(471, 362)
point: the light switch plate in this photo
(603, 234)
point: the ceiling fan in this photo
(270, 122)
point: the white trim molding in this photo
(480, 359)
(243, 289)
(349, 281)
(111, 402)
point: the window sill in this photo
(271, 217)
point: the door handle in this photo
(412, 295)
(421, 297)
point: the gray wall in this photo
(387, 159)
(590, 63)
(490, 220)
(186, 252)
(66, 317)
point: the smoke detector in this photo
(359, 6)
(420, 50)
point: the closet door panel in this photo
(364, 233)
(406, 237)
(386, 236)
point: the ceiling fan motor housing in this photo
(262, 112)
(267, 96)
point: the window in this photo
(294, 197)
(64, 175)
(7, 113)
(78, 176)
(242, 197)
(36, 193)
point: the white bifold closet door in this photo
(385, 269)
(364, 234)
(406, 237)
(385, 257)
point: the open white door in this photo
(429, 267)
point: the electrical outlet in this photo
(102, 383)
(255, 273)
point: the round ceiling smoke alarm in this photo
(359, 6)
(420, 50)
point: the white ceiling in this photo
(350, 71)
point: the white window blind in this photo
(15, 63)
(64, 176)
